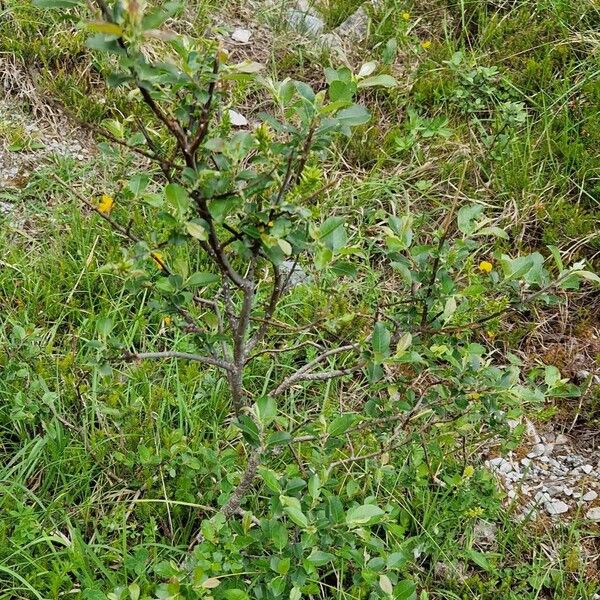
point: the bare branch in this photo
(205, 115)
(276, 292)
(235, 500)
(304, 373)
(207, 360)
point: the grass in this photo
(105, 469)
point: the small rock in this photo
(241, 35)
(355, 25)
(237, 120)
(593, 514)
(294, 273)
(525, 462)
(561, 440)
(582, 375)
(587, 469)
(305, 23)
(556, 507)
(484, 533)
(537, 450)
(555, 490)
(590, 496)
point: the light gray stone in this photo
(556, 507)
(593, 514)
(241, 35)
(305, 23)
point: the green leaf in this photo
(314, 486)
(381, 339)
(271, 479)
(178, 197)
(285, 246)
(361, 515)
(104, 326)
(320, 558)
(396, 560)
(197, 230)
(333, 233)
(467, 216)
(279, 535)
(134, 591)
(235, 594)
(202, 278)
(57, 3)
(404, 343)
(386, 81)
(267, 409)
(297, 516)
(405, 590)
(322, 258)
(342, 91)
(587, 275)
(138, 183)
(557, 259)
(480, 560)
(351, 117)
(495, 231)
(341, 424)
(449, 309)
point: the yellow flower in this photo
(405, 15)
(486, 266)
(474, 512)
(106, 204)
(167, 320)
(157, 257)
(426, 44)
(468, 472)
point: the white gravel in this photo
(555, 477)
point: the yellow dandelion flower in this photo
(486, 266)
(405, 15)
(106, 204)
(426, 44)
(158, 258)
(167, 321)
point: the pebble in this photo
(549, 475)
(593, 514)
(305, 23)
(556, 507)
(241, 35)
(237, 119)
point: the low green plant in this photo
(213, 236)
